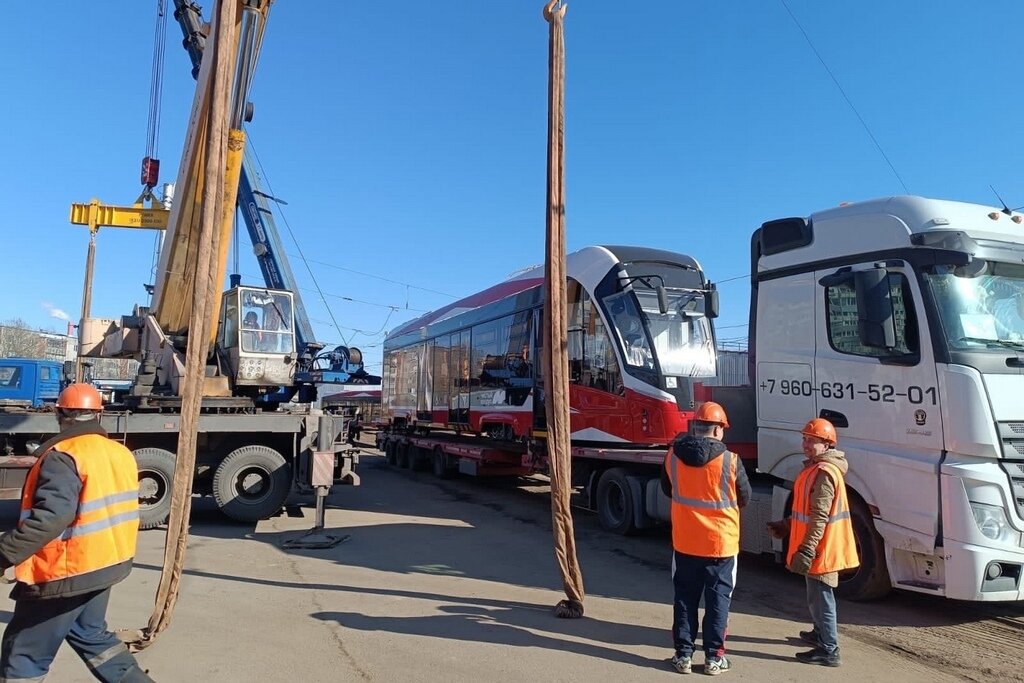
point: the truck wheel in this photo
(389, 454)
(439, 462)
(870, 580)
(615, 502)
(156, 472)
(252, 483)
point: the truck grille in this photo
(1015, 470)
(1012, 436)
(1012, 447)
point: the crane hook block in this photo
(150, 172)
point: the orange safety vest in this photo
(705, 512)
(106, 524)
(837, 549)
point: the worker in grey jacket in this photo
(74, 540)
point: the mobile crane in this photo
(250, 448)
(340, 365)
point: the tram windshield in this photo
(681, 338)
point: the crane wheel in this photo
(156, 472)
(252, 483)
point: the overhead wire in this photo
(291, 233)
(381, 278)
(846, 97)
(392, 307)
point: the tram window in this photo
(441, 381)
(600, 367)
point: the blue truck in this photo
(30, 382)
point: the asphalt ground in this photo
(455, 580)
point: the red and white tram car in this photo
(639, 333)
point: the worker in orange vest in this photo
(74, 540)
(708, 486)
(821, 542)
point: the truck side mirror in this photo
(69, 372)
(711, 303)
(875, 320)
(662, 299)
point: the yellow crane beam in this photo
(96, 215)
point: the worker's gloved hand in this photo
(779, 529)
(801, 562)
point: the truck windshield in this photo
(981, 305)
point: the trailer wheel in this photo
(439, 461)
(615, 502)
(252, 483)
(870, 580)
(402, 456)
(156, 472)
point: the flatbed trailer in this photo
(619, 484)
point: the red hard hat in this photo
(711, 412)
(80, 397)
(822, 429)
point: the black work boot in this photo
(820, 656)
(137, 674)
(811, 637)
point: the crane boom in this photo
(174, 291)
(252, 199)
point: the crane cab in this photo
(257, 336)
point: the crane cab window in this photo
(265, 322)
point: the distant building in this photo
(25, 343)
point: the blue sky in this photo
(408, 137)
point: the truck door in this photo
(877, 382)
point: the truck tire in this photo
(389, 454)
(439, 463)
(252, 483)
(615, 503)
(870, 580)
(403, 459)
(156, 472)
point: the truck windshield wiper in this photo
(995, 343)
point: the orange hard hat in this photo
(821, 429)
(80, 397)
(711, 412)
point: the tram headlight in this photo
(993, 524)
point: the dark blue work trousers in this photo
(38, 628)
(714, 579)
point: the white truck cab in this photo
(901, 320)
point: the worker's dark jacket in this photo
(697, 451)
(53, 510)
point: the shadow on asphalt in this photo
(462, 542)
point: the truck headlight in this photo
(992, 523)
